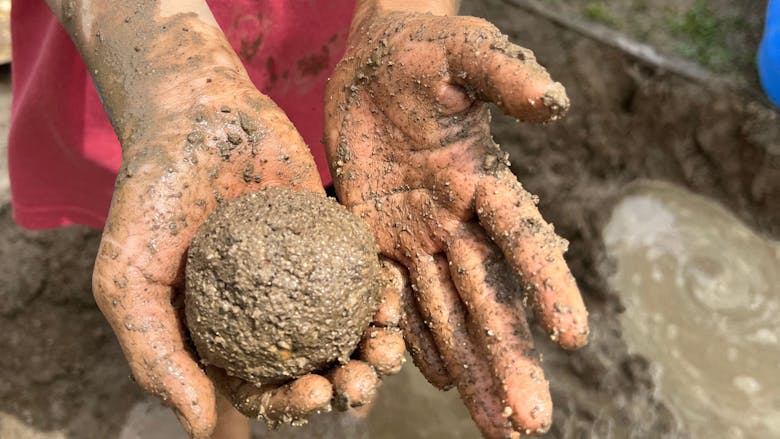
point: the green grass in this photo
(599, 11)
(715, 36)
(703, 36)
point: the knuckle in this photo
(105, 267)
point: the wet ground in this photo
(62, 374)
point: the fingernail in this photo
(556, 100)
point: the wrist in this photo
(372, 8)
(153, 60)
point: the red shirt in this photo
(63, 154)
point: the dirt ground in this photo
(63, 375)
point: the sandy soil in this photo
(62, 374)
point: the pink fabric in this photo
(63, 154)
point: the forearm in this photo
(145, 56)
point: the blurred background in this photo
(665, 177)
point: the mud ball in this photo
(280, 283)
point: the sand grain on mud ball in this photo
(280, 283)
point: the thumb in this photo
(483, 60)
(151, 335)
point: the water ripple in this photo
(702, 297)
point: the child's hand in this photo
(408, 139)
(229, 140)
(194, 130)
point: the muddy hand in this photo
(194, 131)
(171, 178)
(239, 142)
(408, 140)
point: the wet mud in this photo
(62, 370)
(279, 284)
(702, 295)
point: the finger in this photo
(482, 60)
(354, 384)
(509, 215)
(293, 402)
(152, 339)
(417, 338)
(421, 346)
(389, 311)
(289, 403)
(383, 348)
(493, 300)
(441, 308)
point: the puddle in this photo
(702, 298)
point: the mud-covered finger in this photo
(383, 348)
(393, 281)
(289, 403)
(354, 384)
(440, 306)
(417, 338)
(484, 61)
(509, 215)
(420, 344)
(296, 400)
(493, 299)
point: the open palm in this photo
(408, 140)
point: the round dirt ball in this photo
(280, 283)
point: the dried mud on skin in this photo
(61, 367)
(279, 284)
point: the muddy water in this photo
(702, 298)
